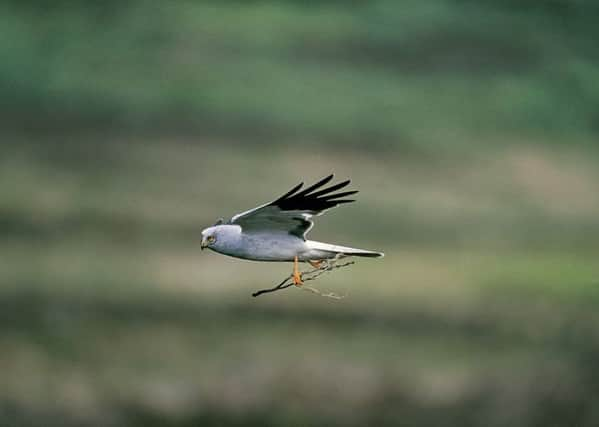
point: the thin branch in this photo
(332, 295)
(308, 276)
(280, 286)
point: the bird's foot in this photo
(297, 279)
(297, 276)
(316, 264)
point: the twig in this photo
(280, 286)
(327, 295)
(308, 276)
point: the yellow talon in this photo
(297, 276)
(315, 264)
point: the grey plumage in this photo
(276, 231)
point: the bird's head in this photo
(217, 237)
(209, 237)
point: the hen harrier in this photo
(276, 231)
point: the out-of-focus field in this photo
(485, 307)
(469, 128)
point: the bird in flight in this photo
(276, 231)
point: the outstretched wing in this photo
(293, 211)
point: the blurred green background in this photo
(470, 126)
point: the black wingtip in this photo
(330, 189)
(319, 184)
(311, 200)
(337, 195)
(291, 192)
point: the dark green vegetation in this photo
(468, 126)
(422, 75)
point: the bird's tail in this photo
(336, 249)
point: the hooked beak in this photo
(204, 244)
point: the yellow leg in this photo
(297, 277)
(315, 264)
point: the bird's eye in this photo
(211, 239)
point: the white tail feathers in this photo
(327, 247)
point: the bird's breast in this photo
(266, 247)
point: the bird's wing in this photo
(293, 211)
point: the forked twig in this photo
(280, 286)
(311, 275)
